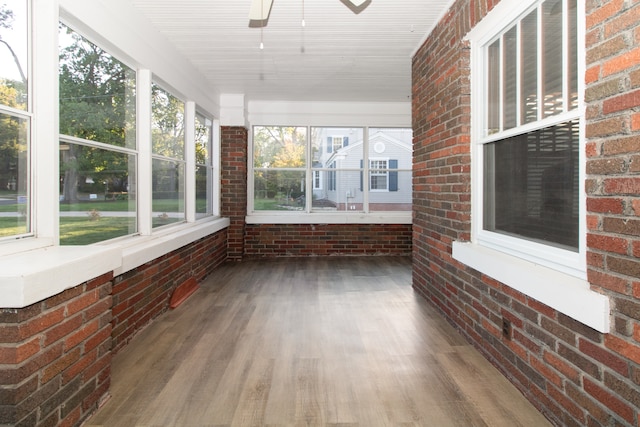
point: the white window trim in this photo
(311, 217)
(35, 268)
(379, 172)
(562, 286)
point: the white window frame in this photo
(337, 142)
(379, 172)
(27, 265)
(309, 216)
(553, 276)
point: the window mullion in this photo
(45, 148)
(309, 175)
(540, 53)
(565, 57)
(519, 54)
(366, 179)
(190, 160)
(144, 190)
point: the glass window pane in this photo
(14, 54)
(279, 190)
(204, 179)
(390, 162)
(531, 186)
(168, 192)
(337, 155)
(572, 22)
(97, 93)
(167, 124)
(279, 147)
(529, 69)
(97, 195)
(493, 88)
(204, 134)
(204, 170)
(398, 196)
(552, 20)
(14, 175)
(510, 83)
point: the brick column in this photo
(55, 357)
(234, 140)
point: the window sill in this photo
(31, 276)
(330, 218)
(139, 250)
(565, 293)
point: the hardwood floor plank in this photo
(308, 342)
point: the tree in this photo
(13, 129)
(97, 103)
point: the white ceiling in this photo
(338, 56)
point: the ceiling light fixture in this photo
(303, 24)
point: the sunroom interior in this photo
(259, 154)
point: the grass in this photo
(84, 231)
(271, 205)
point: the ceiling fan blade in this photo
(259, 12)
(356, 6)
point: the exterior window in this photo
(378, 175)
(279, 159)
(317, 180)
(15, 120)
(204, 166)
(333, 179)
(530, 136)
(98, 154)
(167, 141)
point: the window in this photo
(317, 180)
(378, 175)
(168, 170)
(280, 168)
(528, 136)
(335, 165)
(98, 154)
(528, 204)
(15, 120)
(204, 165)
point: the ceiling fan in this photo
(261, 9)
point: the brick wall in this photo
(573, 374)
(269, 240)
(142, 294)
(55, 357)
(272, 240)
(233, 142)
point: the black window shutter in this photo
(329, 144)
(393, 175)
(345, 141)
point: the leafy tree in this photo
(13, 93)
(97, 103)
(279, 147)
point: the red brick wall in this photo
(573, 374)
(55, 357)
(270, 240)
(142, 294)
(234, 142)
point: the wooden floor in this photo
(308, 342)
